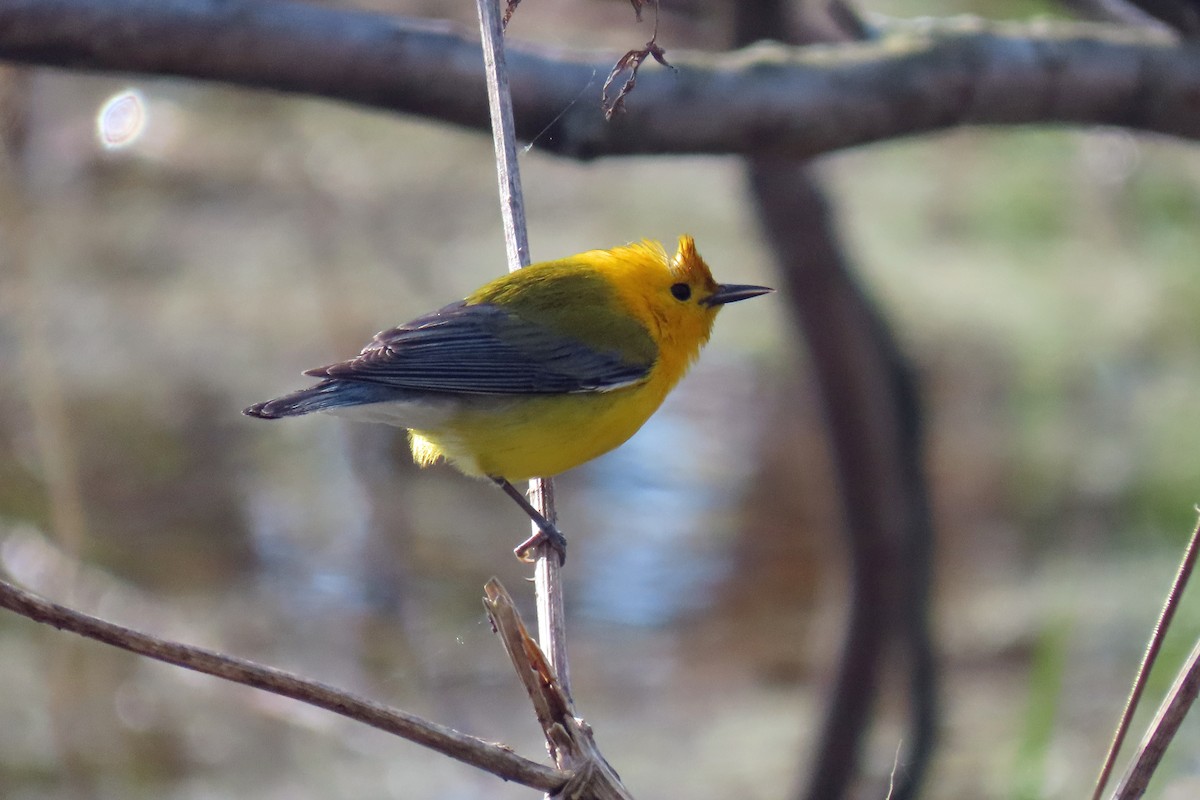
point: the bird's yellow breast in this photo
(528, 437)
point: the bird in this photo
(535, 372)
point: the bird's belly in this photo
(521, 438)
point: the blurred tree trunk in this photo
(873, 416)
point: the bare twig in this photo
(510, 8)
(512, 201)
(548, 583)
(1162, 730)
(911, 78)
(569, 738)
(1186, 567)
(550, 591)
(487, 756)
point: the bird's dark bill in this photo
(731, 293)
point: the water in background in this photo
(217, 243)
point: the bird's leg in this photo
(546, 532)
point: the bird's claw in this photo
(550, 536)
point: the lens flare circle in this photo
(121, 119)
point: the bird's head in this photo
(677, 298)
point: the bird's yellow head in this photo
(676, 299)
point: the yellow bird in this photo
(537, 371)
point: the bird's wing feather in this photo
(484, 349)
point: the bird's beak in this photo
(731, 293)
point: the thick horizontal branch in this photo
(767, 99)
(493, 758)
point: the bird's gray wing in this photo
(484, 349)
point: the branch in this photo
(552, 620)
(1162, 730)
(767, 99)
(568, 737)
(492, 758)
(873, 419)
(1145, 768)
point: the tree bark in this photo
(800, 102)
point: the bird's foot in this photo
(548, 535)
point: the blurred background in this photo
(173, 251)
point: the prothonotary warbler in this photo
(537, 371)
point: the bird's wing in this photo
(485, 349)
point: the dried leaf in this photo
(509, 8)
(659, 54)
(631, 62)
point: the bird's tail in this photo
(325, 395)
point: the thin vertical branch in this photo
(1186, 567)
(547, 574)
(512, 200)
(548, 586)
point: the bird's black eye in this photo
(681, 291)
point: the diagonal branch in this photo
(487, 756)
(1163, 729)
(767, 99)
(568, 738)
(1159, 735)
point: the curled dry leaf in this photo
(630, 62)
(510, 7)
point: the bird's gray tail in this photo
(325, 395)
